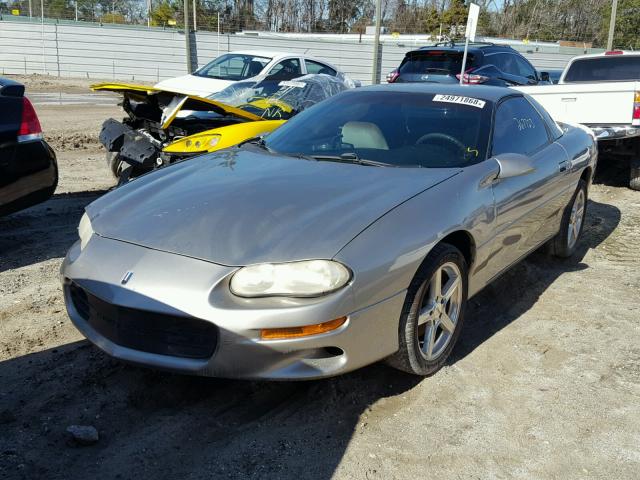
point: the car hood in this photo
(245, 206)
(194, 102)
(194, 85)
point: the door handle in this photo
(569, 99)
(563, 165)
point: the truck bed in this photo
(605, 104)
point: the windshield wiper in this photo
(349, 157)
(433, 70)
(257, 141)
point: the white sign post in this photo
(470, 34)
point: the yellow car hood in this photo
(225, 137)
(140, 92)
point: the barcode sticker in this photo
(472, 102)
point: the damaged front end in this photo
(162, 127)
(156, 118)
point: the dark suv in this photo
(487, 64)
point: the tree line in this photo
(544, 20)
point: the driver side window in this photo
(518, 128)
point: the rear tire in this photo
(565, 242)
(433, 312)
(634, 174)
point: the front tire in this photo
(114, 163)
(565, 242)
(433, 313)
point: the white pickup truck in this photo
(602, 92)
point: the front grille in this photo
(146, 331)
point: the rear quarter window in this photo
(616, 68)
(434, 61)
(320, 68)
(518, 128)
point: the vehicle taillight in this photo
(614, 52)
(471, 78)
(29, 125)
(636, 109)
(392, 76)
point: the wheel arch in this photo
(463, 241)
(460, 239)
(587, 175)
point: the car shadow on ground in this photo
(511, 295)
(161, 425)
(44, 231)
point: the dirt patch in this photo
(545, 382)
(75, 127)
(51, 84)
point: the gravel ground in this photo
(545, 382)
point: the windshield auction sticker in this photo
(290, 83)
(473, 102)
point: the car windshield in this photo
(275, 99)
(402, 129)
(604, 69)
(434, 61)
(233, 66)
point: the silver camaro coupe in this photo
(355, 232)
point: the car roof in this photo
(268, 53)
(279, 55)
(625, 53)
(459, 47)
(482, 92)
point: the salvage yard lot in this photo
(544, 382)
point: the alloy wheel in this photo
(575, 219)
(439, 310)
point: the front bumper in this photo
(164, 284)
(134, 147)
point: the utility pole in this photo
(612, 24)
(44, 58)
(375, 78)
(187, 37)
(195, 16)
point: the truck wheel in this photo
(634, 180)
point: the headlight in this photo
(197, 143)
(309, 278)
(85, 230)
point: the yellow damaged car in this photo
(162, 127)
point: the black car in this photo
(487, 64)
(28, 167)
(554, 75)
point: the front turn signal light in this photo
(305, 331)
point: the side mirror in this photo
(544, 76)
(514, 165)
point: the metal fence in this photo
(150, 54)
